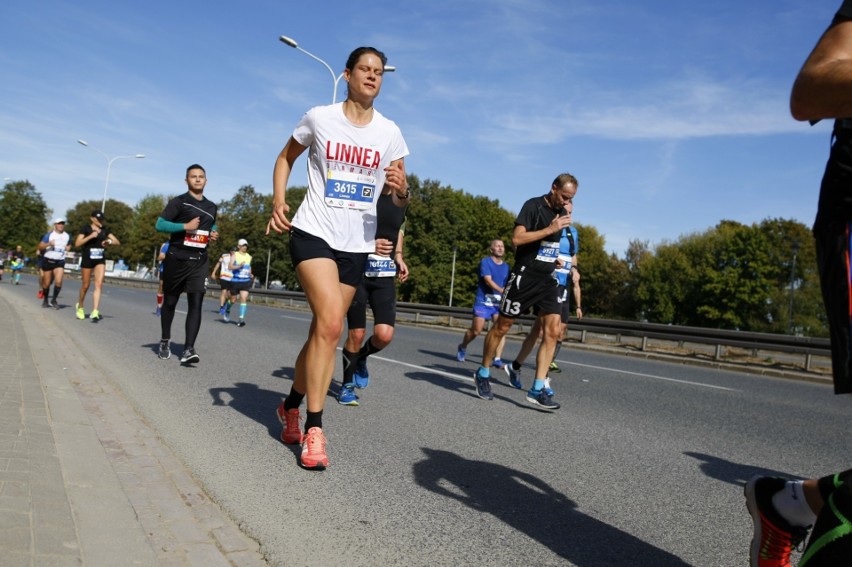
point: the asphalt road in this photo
(642, 466)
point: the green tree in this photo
(441, 221)
(664, 284)
(627, 306)
(792, 249)
(23, 216)
(141, 242)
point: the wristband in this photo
(404, 196)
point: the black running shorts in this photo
(523, 292)
(380, 294)
(181, 276)
(304, 246)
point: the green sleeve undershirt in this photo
(168, 226)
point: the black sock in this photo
(313, 419)
(349, 360)
(557, 349)
(294, 400)
(515, 365)
(368, 349)
(56, 290)
(46, 292)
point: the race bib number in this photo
(492, 299)
(196, 238)
(96, 253)
(566, 264)
(548, 252)
(380, 267)
(350, 190)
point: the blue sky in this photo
(673, 115)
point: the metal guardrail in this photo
(583, 330)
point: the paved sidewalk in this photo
(83, 480)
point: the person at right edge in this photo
(784, 511)
(538, 230)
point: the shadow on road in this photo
(733, 473)
(253, 402)
(533, 507)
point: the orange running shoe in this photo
(774, 539)
(291, 434)
(313, 450)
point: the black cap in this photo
(98, 215)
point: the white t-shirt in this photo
(60, 245)
(346, 174)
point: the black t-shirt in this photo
(538, 257)
(389, 218)
(94, 248)
(190, 245)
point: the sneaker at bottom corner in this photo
(361, 375)
(460, 354)
(164, 351)
(774, 538)
(291, 434)
(241, 323)
(95, 316)
(80, 312)
(483, 386)
(313, 450)
(189, 356)
(542, 399)
(554, 368)
(347, 396)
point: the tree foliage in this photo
(24, 216)
(758, 277)
(443, 223)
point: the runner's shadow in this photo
(534, 508)
(500, 386)
(731, 472)
(253, 402)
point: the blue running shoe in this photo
(514, 376)
(547, 389)
(483, 386)
(461, 354)
(361, 376)
(222, 310)
(347, 396)
(542, 399)
(497, 363)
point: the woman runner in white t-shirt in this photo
(354, 153)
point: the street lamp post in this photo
(792, 287)
(336, 78)
(453, 275)
(109, 166)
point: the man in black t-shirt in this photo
(531, 283)
(784, 510)
(190, 219)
